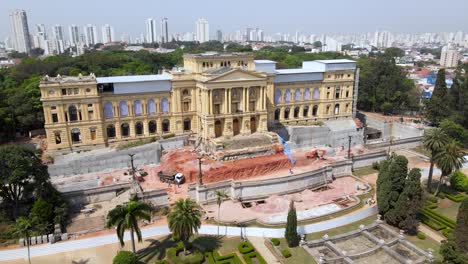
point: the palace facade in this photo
(213, 95)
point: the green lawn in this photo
(425, 244)
(342, 229)
(448, 208)
(364, 171)
(298, 254)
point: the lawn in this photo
(421, 150)
(364, 171)
(342, 229)
(298, 254)
(448, 208)
(425, 244)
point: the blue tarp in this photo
(287, 150)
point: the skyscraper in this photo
(107, 34)
(219, 35)
(90, 32)
(203, 30)
(41, 30)
(20, 30)
(74, 34)
(164, 31)
(150, 30)
(57, 32)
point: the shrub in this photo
(215, 258)
(245, 247)
(421, 235)
(432, 206)
(431, 198)
(376, 165)
(252, 255)
(432, 224)
(172, 254)
(434, 216)
(447, 232)
(125, 257)
(285, 252)
(164, 210)
(275, 241)
(459, 181)
(441, 195)
(168, 135)
(161, 262)
(455, 197)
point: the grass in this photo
(136, 143)
(342, 229)
(298, 254)
(448, 208)
(421, 150)
(364, 171)
(426, 244)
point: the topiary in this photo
(125, 257)
(421, 235)
(275, 241)
(285, 252)
(245, 247)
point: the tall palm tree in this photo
(220, 197)
(433, 140)
(449, 159)
(126, 216)
(23, 227)
(184, 220)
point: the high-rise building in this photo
(219, 35)
(91, 37)
(203, 30)
(383, 39)
(164, 31)
(74, 34)
(151, 30)
(57, 32)
(449, 57)
(107, 34)
(41, 30)
(20, 30)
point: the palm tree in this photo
(220, 196)
(23, 228)
(184, 220)
(433, 140)
(448, 159)
(126, 216)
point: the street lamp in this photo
(133, 167)
(200, 180)
(349, 147)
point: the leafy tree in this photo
(459, 181)
(184, 220)
(125, 257)
(220, 197)
(461, 229)
(126, 216)
(23, 228)
(437, 107)
(392, 176)
(42, 214)
(394, 52)
(455, 131)
(449, 159)
(451, 254)
(433, 141)
(36, 52)
(317, 44)
(21, 171)
(409, 203)
(291, 227)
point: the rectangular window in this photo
(90, 114)
(76, 90)
(217, 109)
(186, 106)
(54, 117)
(251, 106)
(92, 133)
(69, 91)
(53, 107)
(64, 91)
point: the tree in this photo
(21, 171)
(391, 182)
(449, 159)
(184, 220)
(125, 257)
(42, 215)
(455, 131)
(460, 232)
(23, 227)
(291, 227)
(405, 213)
(126, 216)
(451, 254)
(434, 139)
(394, 52)
(437, 107)
(220, 196)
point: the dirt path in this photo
(259, 244)
(431, 233)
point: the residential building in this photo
(449, 57)
(213, 96)
(91, 35)
(219, 35)
(20, 30)
(164, 31)
(74, 34)
(151, 36)
(202, 30)
(107, 34)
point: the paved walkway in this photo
(259, 245)
(72, 245)
(431, 233)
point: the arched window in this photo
(72, 113)
(337, 92)
(277, 96)
(316, 93)
(286, 113)
(296, 112)
(139, 128)
(307, 94)
(164, 105)
(297, 95)
(125, 130)
(287, 96)
(137, 108)
(337, 109)
(108, 110)
(151, 107)
(123, 108)
(75, 135)
(187, 124)
(315, 110)
(110, 131)
(277, 114)
(347, 108)
(165, 125)
(305, 111)
(152, 127)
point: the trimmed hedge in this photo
(455, 197)
(172, 254)
(249, 256)
(432, 224)
(245, 247)
(447, 232)
(161, 262)
(421, 235)
(431, 198)
(285, 252)
(125, 257)
(432, 206)
(447, 222)
(214, 258)
(275, 242)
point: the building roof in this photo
(296, 71)
(218, 70)
(264, 61)
(134, 78)
(214, 54)
(336, 61)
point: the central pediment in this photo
(237, 75)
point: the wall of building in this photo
(76, 199)
(394, 130)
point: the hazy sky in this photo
(309, 16)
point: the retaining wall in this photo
(391, 129)
(396, 144)
(158, 198)
(77, 199)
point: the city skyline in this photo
(349, 18)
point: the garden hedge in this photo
(285, 252)
(125, 257)
(245, 247)
(455, 197)
(275, 242)
(252, 255)
(214, 258)
(421, 235)
(439, 218)
(172, 254)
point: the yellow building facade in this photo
(212, 96)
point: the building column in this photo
(226, 109)
(210, 107)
